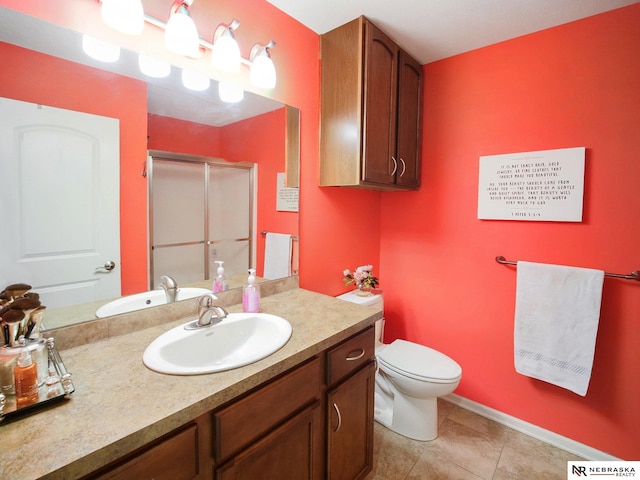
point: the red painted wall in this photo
(569, 86)
(173, 135)
(574, 85)
(34, 77)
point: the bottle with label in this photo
(251, 294)
(25, 376)
(221, 282)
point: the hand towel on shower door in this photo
(277, 256)
(556, 322)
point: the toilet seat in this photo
(419, 362)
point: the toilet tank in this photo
(375, 301)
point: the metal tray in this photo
(57, 387)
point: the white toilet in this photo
(409, 380)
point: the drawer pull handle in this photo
(355, 355)
(335, 407)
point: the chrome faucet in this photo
(170, 287)
(207, 310)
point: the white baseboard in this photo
(534, 431)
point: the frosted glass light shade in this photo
(195, 80)
(181, 35)
(263, 72)
(225, 55)
(125, 16)
(230, 93)
(152, 67)
(100, 50)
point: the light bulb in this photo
(230, 93)
(263, 72)
(125, 16)
(181, 35)
(100, 50)
(152, 67)
(195, 80)
(225, 54)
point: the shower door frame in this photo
(207, 162)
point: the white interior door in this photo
(60, 209)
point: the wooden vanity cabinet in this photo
(179, 455)
(350, 382)
(274, 432)
(314, 421)
(370, 110)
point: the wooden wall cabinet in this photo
(313, 422)
(370, 120)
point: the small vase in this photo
(363, 291)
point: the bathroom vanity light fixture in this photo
(230, 92)
(225, 54)
(181, 36)
(99, 49)
(152, 67)
(263, 72)
(195, 80)
(125, 16)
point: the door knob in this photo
(110, 265)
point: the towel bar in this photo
(264, 233)
(635, 275)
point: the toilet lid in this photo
(420, 362)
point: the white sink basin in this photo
(238, 340)
(143, 300)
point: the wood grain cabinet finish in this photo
(351, 382)
(312, 422)
(370, 110)
(179, 455)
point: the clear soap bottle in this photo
(25, 376)
(221, 282)
(251, 294)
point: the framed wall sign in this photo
(547, 185)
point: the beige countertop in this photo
(120, 405)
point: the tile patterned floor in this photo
(468, 447)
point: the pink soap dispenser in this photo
(251, 294)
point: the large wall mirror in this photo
(191, 116)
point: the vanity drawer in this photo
(350, 355)
(245, 420)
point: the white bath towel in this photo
(556, 322)
(277, 256)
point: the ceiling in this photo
(430, 30)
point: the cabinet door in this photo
(350, 426)
(379, 124)
(174, 457)
(292, 451)
(409, 114)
